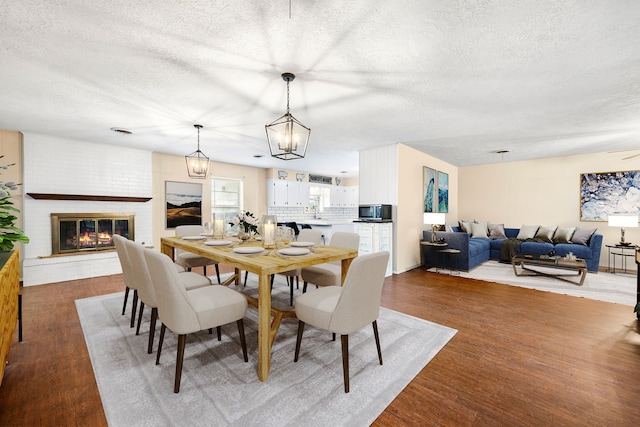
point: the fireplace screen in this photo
(88, 232)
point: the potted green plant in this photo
(9, 233)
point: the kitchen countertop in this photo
(325, 221)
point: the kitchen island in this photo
(328, 226)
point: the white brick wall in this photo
(63, 166)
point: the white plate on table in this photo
(294, 251)
(248, 250)
(218, 242)
(194, 237)
(301, 244)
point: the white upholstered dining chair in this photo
(127, 275)
(189, 260)
(305, 235)
(146, 292)
(330, 273)
(348, 308)
(185, 312)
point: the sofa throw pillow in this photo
(465, 226)
(546, 233)
(563, 234)
(479, 229)
(582, 235)
(527, 232)
(496, 231)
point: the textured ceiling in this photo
(455, 79)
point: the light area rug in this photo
(602, 286)
(219, 389)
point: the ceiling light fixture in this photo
(287, 136)
(197, 162)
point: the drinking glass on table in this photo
(208, 228)
(287, 235)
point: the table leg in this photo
(264, 326)
(167, 250)
(346, 263)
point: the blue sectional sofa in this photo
(476, 250)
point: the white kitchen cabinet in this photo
(285, 193)
(352, 196)
(340, 196)
(376, 237)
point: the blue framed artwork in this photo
(429, 186)
(606, 193)
(443, 192)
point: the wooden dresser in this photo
(9, 290)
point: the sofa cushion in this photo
(535, 248)
(478, 246)
(580, 251)
(582, 235)
(527, 232)
(479, 229)
(546, 233)
(465, 226)
(496, 231)
(563, 235)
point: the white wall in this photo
(63, 166)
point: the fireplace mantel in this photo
(51, 196)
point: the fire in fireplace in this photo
(82, 232)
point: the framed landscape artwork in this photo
(429, 186)
(184, 203)
(443, 192)
(605, 193)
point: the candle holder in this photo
(218, 226)
(269, 225)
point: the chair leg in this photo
(246, 274)
(182, 340)
(204, 269)
(160, 341)
(375, 334)
(290, 282)
(304, 287)
(133, 309)
(345, 361)
(139, 318)
(152, 329)
(219, 331)
(297, 282)
(298, 339)
(243, 341)
(126, 296)
(218, 274)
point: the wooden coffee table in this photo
(555, 267)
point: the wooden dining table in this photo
(263, 264)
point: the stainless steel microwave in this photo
(374, 212)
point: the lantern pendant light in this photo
(197, 162)
(287, 136)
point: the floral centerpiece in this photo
(9, 233)
(246, 222)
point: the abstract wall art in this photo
(443, 192)
(429, 178)
(605, 193)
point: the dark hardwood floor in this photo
(520, 358)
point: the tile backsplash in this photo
(298, 213)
